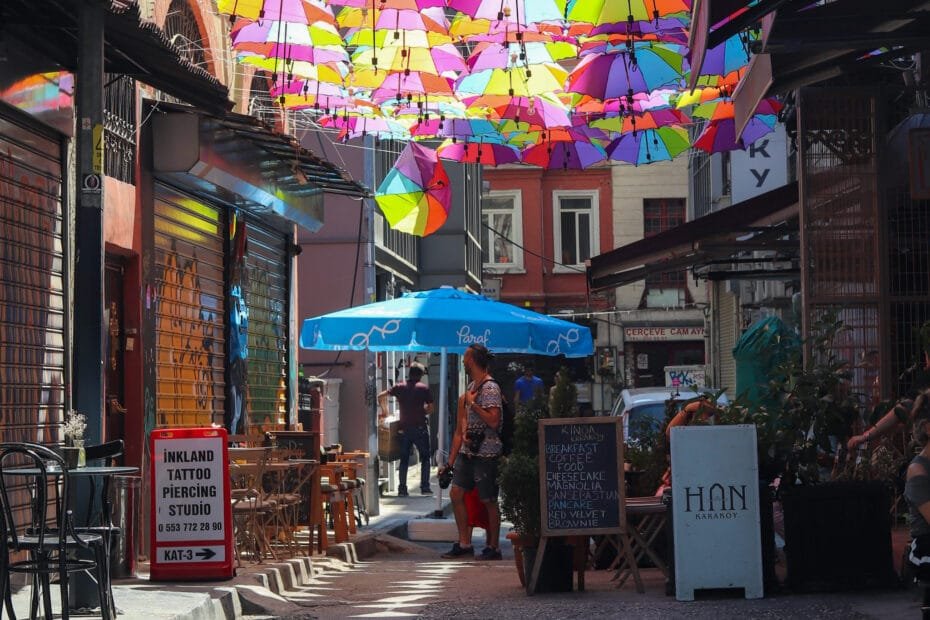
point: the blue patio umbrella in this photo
(445, 320)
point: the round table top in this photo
(101, 470)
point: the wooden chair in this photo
(360, 461)
(252, 509)
(333, 491)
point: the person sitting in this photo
(917, 493)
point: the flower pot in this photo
(74, 454)
(838, 536)
(555, 574)
(519, 541)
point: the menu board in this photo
(581, 476)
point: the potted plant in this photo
(73, 430)
(519, 474)
(837, 532)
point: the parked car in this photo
(643, 409)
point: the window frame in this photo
(516, 236)
(593, 228)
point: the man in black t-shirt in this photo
(416, 403)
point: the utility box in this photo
(331, 389)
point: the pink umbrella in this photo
(536, 111)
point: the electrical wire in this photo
(531, 252)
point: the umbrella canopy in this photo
(415, 194)
(650, 145)
(429, 321)
(564, 155)
(488, 154)
(608, 76)
(720, 135)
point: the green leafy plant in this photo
(519, 472)
(808, 411)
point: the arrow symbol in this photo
(206, 554)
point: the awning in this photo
(240, 160)
(133, 47)
(759, 223)
(805, 43)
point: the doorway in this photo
(114, 317)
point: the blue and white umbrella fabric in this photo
(445, 318)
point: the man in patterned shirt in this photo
(476, 450)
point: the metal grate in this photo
(119, 114)
(840, 220)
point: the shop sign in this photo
(715, 509)
(191, 529)
(652, 334)
(491, 288)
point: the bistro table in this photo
(82, 594)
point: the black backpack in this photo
(508, 414)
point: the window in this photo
(659, 215)
(501, 230)
(575, 215)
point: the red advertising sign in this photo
(191, 520)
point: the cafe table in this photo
(83, 594)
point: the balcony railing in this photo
(119, 113)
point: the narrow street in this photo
(413, 582)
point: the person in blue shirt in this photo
(527, 387)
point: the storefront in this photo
(226, 204)
(650, 350)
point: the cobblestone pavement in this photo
(415, 583)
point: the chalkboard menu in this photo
(581, 476)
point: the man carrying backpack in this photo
(476, 450)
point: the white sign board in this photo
(491, 288)
(715, 509)
(656, 334)
(762, 167)
(189, 503)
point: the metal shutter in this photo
(267, 299)
(190, 314)
(729, 333)
(32, 317)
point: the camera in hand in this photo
(445, 476)
(473, 440)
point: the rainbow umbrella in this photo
(366, 37)
(727, 57)
(608, 76)
(600, 12)
(720, 135)
(481, 30)
(409, 5)
(522, 12)
(652, 119)
(415, 195)
(486, 153)
(649, 146)
(41, 92)
(535, 112)
(564, 155)
(721, 108)
(437, 60)
(291, 11)
(491, 55)
(396, 20)
(517, 82)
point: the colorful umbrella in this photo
(641, 121)
(720, 135)
(517, 82)
(564, 155)
(537, 112)
(600, 12)
(291, 11)
(649, 146)
(415, 195)
(722, 108)
(608, 76)
(729, 56)
(522, 12)
(437, 60)
(489, 55)
(488, 154)
(396, 20)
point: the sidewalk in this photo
(257, 589)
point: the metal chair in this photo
(46, 533)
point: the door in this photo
(114, 395)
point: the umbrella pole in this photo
(443, 417)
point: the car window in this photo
(645, 419)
